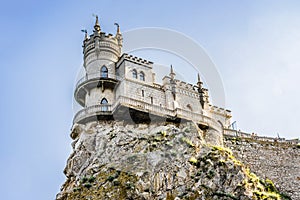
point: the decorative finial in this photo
(97, 25)
(118, 28)
(86, 37)
(172, 73)
(199, 83)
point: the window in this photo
(151, 98)
(134, 74)
(142, 76)
(104, 106)
(143, 93)
(104, 101)
(104, 72)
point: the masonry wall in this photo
(278, 161)
(133, 89)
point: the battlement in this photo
(135, 59)
(219, 110)
(234, 134)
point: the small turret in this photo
(172, 81)
(119, 35)
(201, 92)
(172, 73)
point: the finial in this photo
(199, 83)
(97, 25)
(172, 74)
(86, 37)
(118, 29)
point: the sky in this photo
(254, 45)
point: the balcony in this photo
(86, 83)
(109, 110)
(102, 109)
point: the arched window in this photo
(104, 101)
(142, 76)
(134, 74)
(104, 72)
(104, 106)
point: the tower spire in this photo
(172, 73)
(118, 29)
(199, 83)
(119, 35)
(201, 92)
(97, 25)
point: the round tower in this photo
(94, 91)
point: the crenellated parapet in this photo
(136, 60)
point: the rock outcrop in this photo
(114, 160)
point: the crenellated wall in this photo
(278, 160)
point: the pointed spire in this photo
(118, 29)
(199, 83)
(97, 25)
(172, 73)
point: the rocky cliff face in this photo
(278, 161)
(114, 160)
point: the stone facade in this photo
(113, 80)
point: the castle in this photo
(121, 86)
(157, 160)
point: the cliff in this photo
(114, 160)
(276, 160)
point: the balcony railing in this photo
(97, 76)
(104, 109)
(143, 106)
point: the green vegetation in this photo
(187, 141)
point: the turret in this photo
(201, 91)
(101, 51)
(119, 36)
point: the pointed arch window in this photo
(134, 74)
(142, 76)
(104, 106)
(104, 72)
(104, 101)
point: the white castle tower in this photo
(122, 87)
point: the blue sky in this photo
(254, 44)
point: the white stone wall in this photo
(134, 89)
(93, 69)
(96, 95)
(130, 66)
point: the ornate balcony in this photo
(109, 110)
(86, 83)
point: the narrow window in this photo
(104, 72)
(143, 93)
(151, 100)
(134, 74)
(104, 106)
(142, 76)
